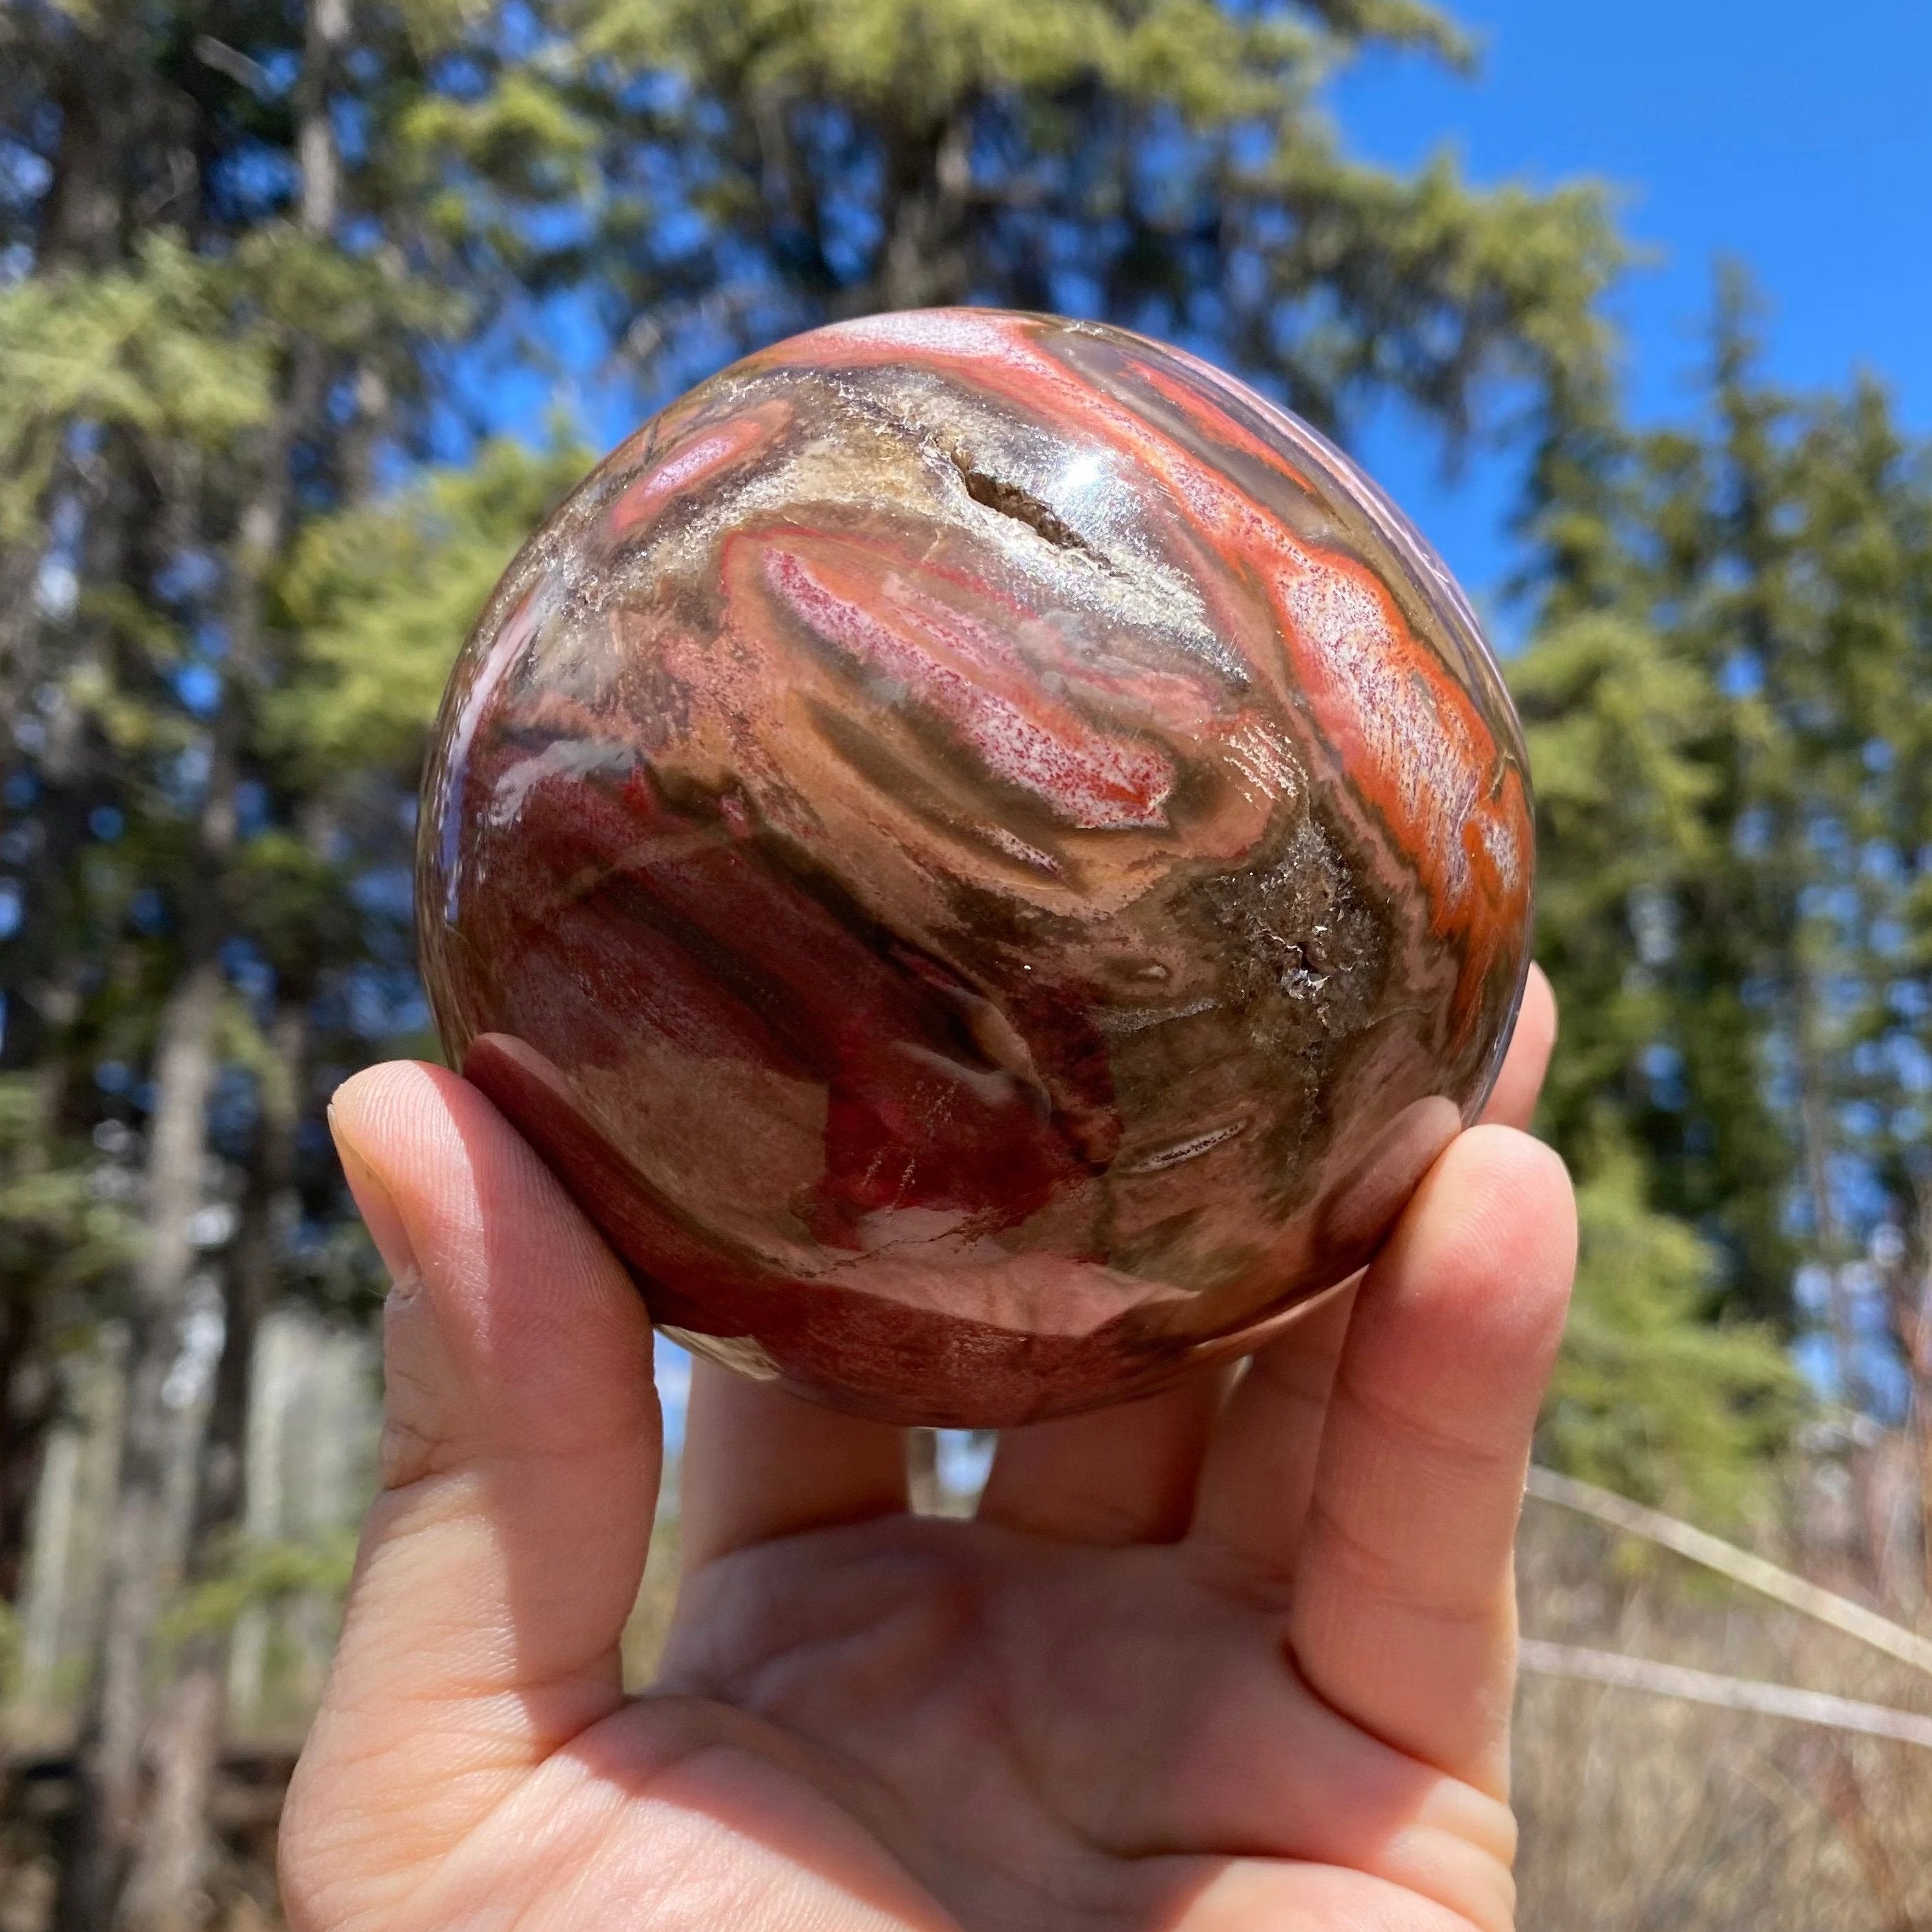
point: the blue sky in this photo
(1798, 138)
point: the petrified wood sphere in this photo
(987, 857)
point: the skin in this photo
(1237, 1658)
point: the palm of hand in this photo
(1215, 1663)
(1046, 1735)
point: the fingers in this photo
(760, 1464)
(1123, 1475)
(1239, 1894)
(520, 1466)
(1259, 1469)
(1512, 1102)
(1403, 1614)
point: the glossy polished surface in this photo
(989, 858)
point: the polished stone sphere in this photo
(987, 857)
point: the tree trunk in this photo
(100, 100)
(44, 1606)
(108, 1831)
(103, 93)
(146, 1542)
(108, 1764)
(1814, 1139)
(1911, 1311)
(168, 1890)
(924, 263)
(29, 1401)
(29, 1381)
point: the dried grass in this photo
(1642, 1813)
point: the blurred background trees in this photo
(278, 284)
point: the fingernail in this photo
(380, 1215)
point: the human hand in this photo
(1221, 1661)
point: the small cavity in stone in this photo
(1010, 500)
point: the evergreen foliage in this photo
(1652, 1397)
(1725, 704)
(378, 593)
(1164, 163)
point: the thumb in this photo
(519, 1465)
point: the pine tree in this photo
(1164, 164)
(1724, 701)
(1652, 1397)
